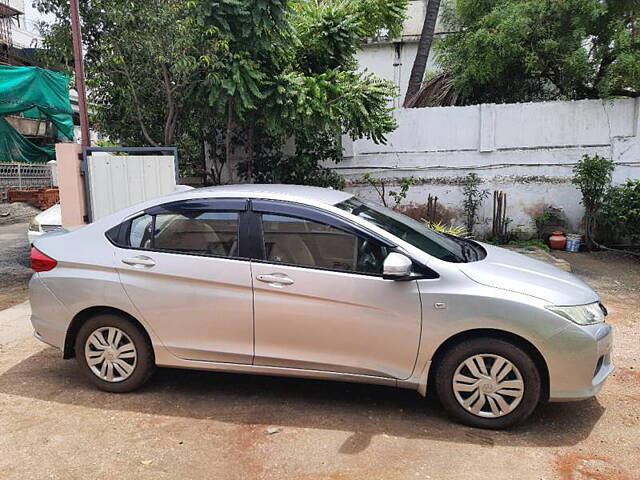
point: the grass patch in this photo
(530, 244)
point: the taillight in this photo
(41, 262)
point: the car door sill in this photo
(175, 362)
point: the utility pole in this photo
(76, 34)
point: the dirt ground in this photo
(199, 425)
(14, 264)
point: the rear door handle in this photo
(276, 279)
(139, 261)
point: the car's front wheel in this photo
(113, 353)
(488, 383)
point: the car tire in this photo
(488, 383)
(114, 354)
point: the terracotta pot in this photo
(558, 241)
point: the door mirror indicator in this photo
(397, 267)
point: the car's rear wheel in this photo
(488, 383)
(113, 353)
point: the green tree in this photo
(530, 50)
(141, 57)
(227, 77)
(592, 176)
(299, 80)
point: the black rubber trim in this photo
(250, 235)
(201, 204)
(113, 234)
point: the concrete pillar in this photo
(71, 184)
(53, 165)
(487, 127)
(636, 120)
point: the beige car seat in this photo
(289, 248)
(188, 235)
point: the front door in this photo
(183, 270)
(321, 302)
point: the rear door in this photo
(321, 302)
(183, 266)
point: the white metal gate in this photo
(116, 178)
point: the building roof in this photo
(7, 10)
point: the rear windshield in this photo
(444, 247)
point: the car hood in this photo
(515, 272)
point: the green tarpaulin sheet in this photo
(14, 146)
(39, 93)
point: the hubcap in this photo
(488, 386)
(110, 354)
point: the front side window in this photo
(296, 241)
(444, 247)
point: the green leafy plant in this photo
(549, 215)
(380, 187)
(473, 198)
(530, 244)
(532, 50)
(592, 176)
(456, 230)
(621, 209)
(405, 184)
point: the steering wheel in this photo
(367, 259)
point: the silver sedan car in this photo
(317, 283)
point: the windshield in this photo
(444, 247)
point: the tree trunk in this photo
(209, 165)
(250, 149)
(424, 48)
(228, 142)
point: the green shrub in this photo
(455, 230)
(621, 209)
(592, 176)
(530, 244)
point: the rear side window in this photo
(140, 232)
(200, 232)
(209, 233)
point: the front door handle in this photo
(275, 279)
(139, 261)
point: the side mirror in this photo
(397, 267)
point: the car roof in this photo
(294, 193)
(314, 196)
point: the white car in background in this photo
(50, 220)
(47, 221)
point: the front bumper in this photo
(579, 361)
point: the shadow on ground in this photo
(363, 410)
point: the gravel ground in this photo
(15, 268)
(188, 424)
(16, 213)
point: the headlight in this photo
(581, 314)
(34, 226)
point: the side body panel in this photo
(334, 321)
(201, 307)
